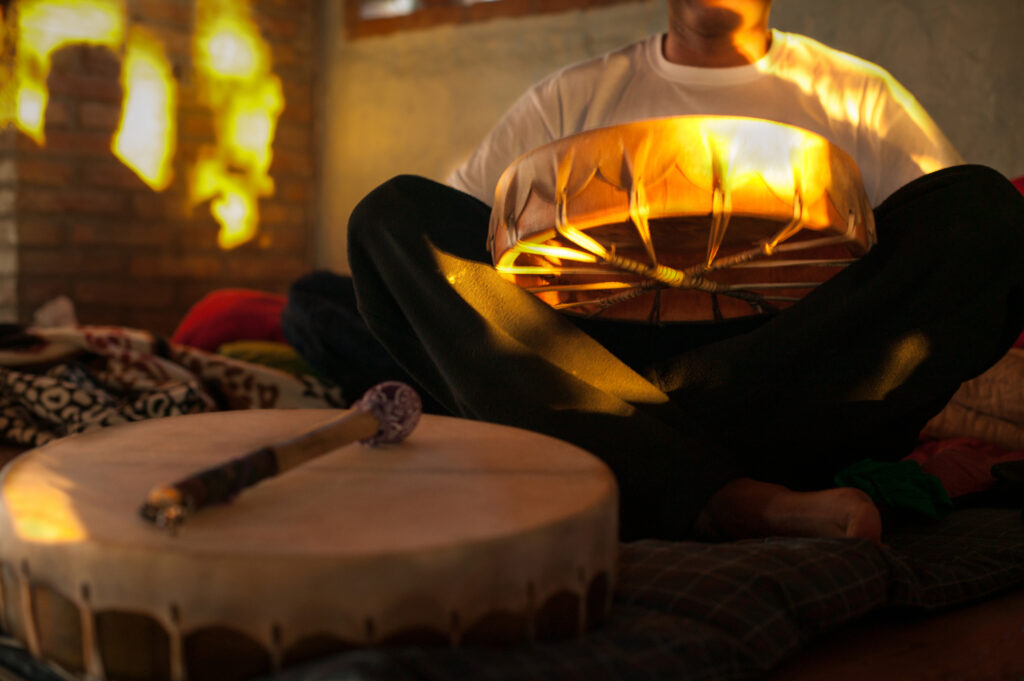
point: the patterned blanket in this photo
(59, 381)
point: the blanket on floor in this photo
(60, 381)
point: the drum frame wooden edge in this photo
(271, 642)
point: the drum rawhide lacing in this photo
(691, 203)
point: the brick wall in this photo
(88, 228)
(8, 228)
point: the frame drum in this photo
(690, 218)
(465, 533)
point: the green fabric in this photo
(899, 485)
(268, 353)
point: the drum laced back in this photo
(709, 205)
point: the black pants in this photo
(852, 371)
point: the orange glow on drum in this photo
(41, 513)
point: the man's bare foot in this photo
(749, 508)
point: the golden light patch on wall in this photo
(43, 27)
(146, 136)
(8, 84)
(235, 81)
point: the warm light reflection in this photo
(145, 138)
(745, 152)
(555, 252)
(741, 155)
(852, 105)
(904, 357)
(235, 81)
(43, 27)
(382, 9)
(41, 511)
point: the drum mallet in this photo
(386, 414)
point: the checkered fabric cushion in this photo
(716, 612)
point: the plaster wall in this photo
(960, 58)
(418, 101)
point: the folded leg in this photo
(852, 371)
(488, 350)
(859, 365)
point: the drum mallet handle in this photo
(387, 413)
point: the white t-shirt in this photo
(853, 103)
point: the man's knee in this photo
(408, 209)
(983, 187)
(970, 214)
(387, 208)
(994, 209)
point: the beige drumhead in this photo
(462, 522)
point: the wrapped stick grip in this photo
(387, 413)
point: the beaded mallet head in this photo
(397, 409)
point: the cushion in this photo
(269, 354)
(725, 612)
(229, 315)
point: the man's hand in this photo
(749, 508)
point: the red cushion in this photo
(228, 315)
(963, 464)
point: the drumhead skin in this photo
(687, 218)
(461, 523)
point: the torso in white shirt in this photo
(856, 105)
